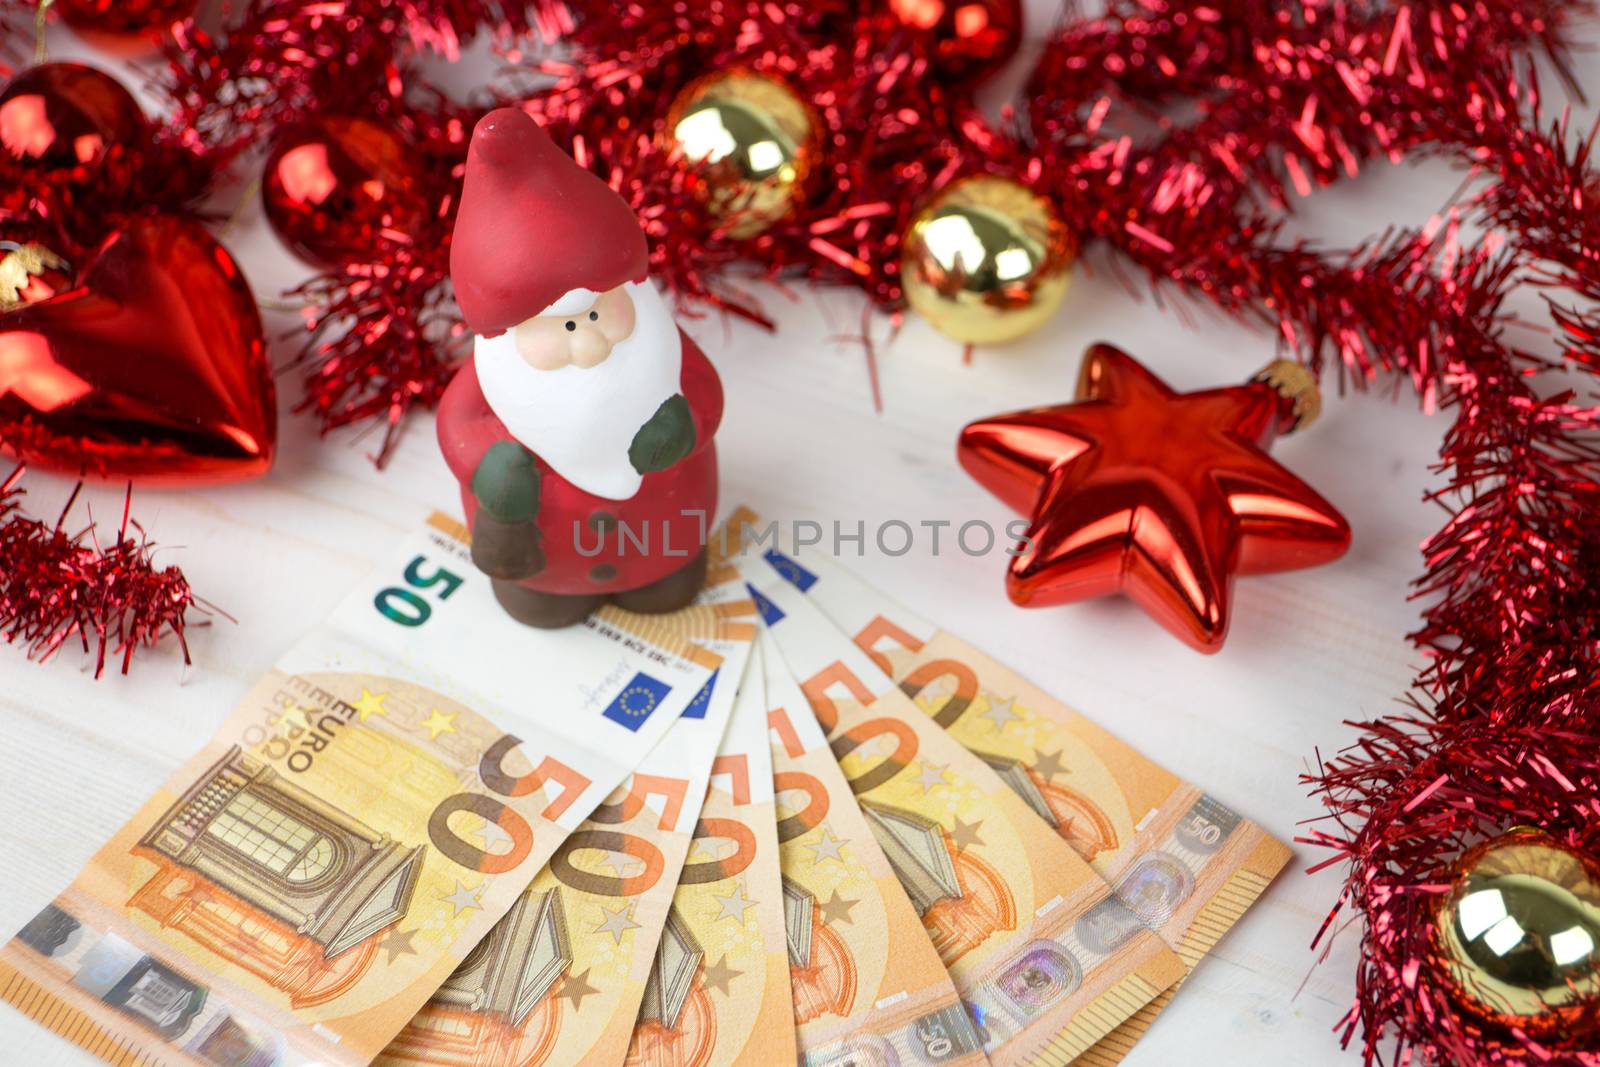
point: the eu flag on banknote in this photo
(771, 614)
(636, 701)
(702, 700)
(791, 571)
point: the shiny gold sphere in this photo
(987, 260)
(757, 143)
(1519, 934)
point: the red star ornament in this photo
(1157, 495)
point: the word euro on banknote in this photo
(869, 988)
(1183, 861)
(560, 979)
(298, 890)
(1047, 960)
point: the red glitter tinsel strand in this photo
(57, 586)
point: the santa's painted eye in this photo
(594, 316)
(571, 326)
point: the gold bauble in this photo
(1518, 936)
(754, 141)
(987, 260)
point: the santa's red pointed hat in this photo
(533, 226)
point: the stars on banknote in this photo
(826, 847)
(1000, 711)
(622, 864)
(494, 837)
(370, 704)
(576, 987)
(463, 899)
(719, 975)
(439, 723)
(930, 777)
(398, 944)
(1048, 765)
(965, 834)
(617, 922)
(836, 909)
(734, 905)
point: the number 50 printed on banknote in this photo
(373, 806)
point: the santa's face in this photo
(578, 400)
(580, 330)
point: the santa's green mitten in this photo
(506, 483)
(665, 439)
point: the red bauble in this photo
(337, 187)
(1157, 495)
(153, 366)
(972, 38)
(62, 115)
(123, 18)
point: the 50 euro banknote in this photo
(719, 993)
(560, 979)
(1045, 958)
(868, 986)
(1183, 861)
(374, 805)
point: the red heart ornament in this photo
(152, 367)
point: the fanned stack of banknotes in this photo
(791, 823)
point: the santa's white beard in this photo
(581, 421)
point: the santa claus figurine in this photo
(581, 428)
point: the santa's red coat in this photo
(673, 507)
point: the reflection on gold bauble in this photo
(757, 142)
(986, 260)
(29, 273)
(1518, 937)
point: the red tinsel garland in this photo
(56, 586)
(1505, 720)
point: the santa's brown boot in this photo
(674, 591)
(547, 611)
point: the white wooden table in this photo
(1308, 650)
